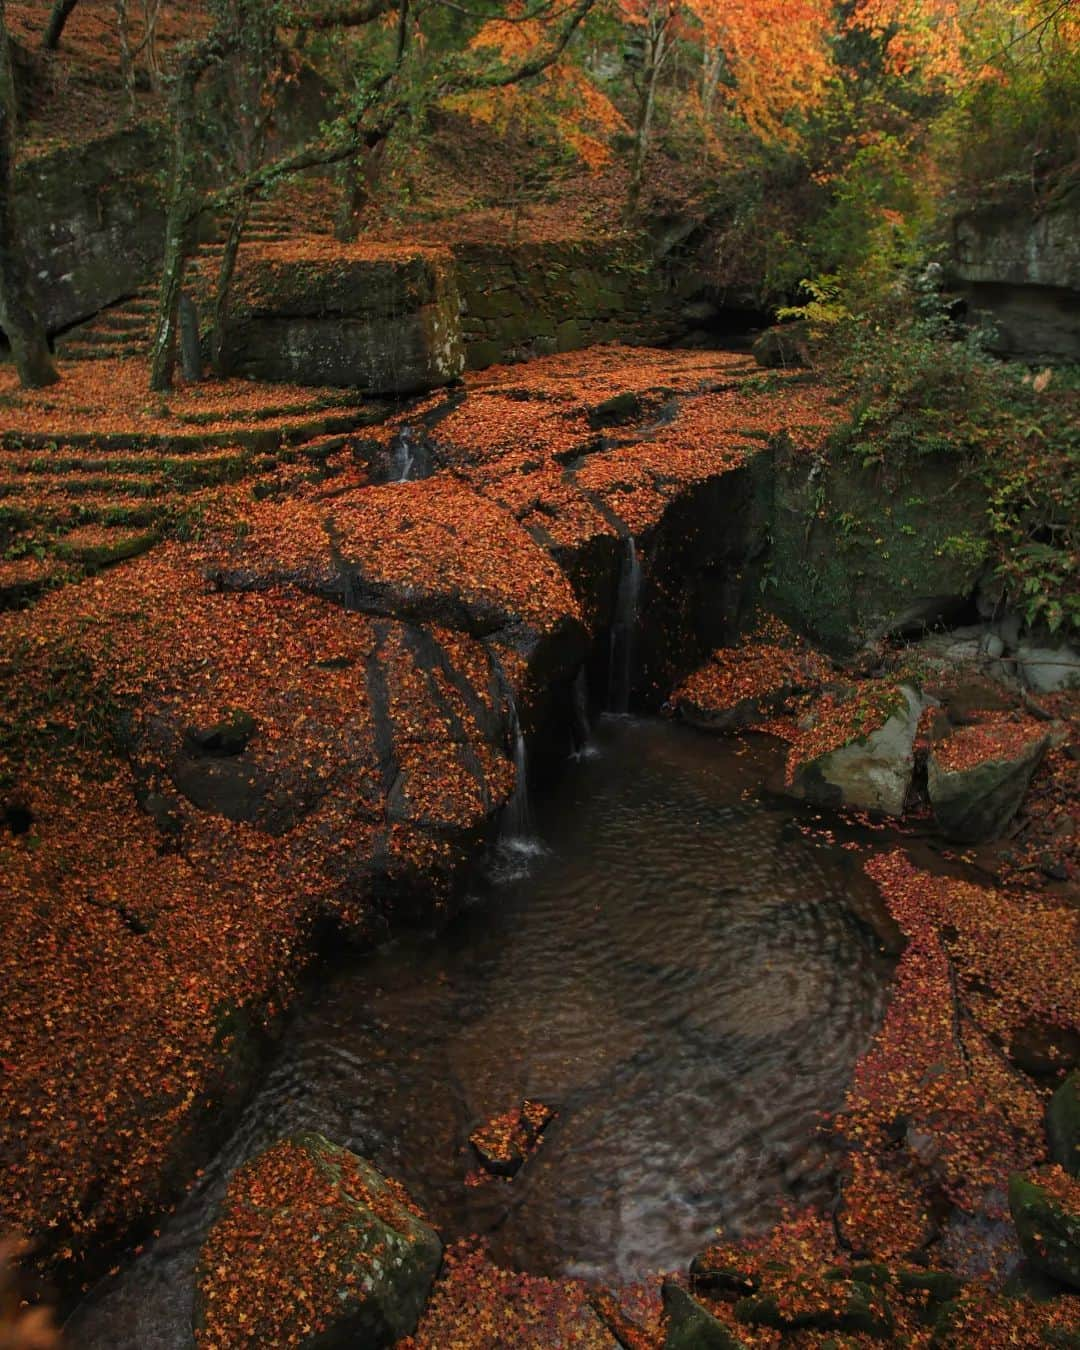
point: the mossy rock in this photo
(864, 1310)
(1063, 1124)
(940, 1286)
(872, 771)
(1049, 1233)
(690, 1327)
(853, 560)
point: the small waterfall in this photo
(403, 455)
(517, 818)
(410, 457)
(624, 630)
(579, 712)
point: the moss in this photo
(847, 582)
(1063, 1124)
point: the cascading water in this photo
(517, 821)
(403, 456)
(624, 629)
(579, 711)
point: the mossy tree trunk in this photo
(19, 314)
(58, 17)
(224, 282)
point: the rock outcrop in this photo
(1022, 270)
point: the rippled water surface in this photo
(680, 972)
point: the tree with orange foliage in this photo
(771, 56)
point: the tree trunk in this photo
(224, 283)
(654, 56)
(351, 199)
(163, 352)
(61, 12)
(19, 316)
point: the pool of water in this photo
(668, 961)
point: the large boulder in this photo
(1063, 1124)
(313, 1248)
(858, 750)
(382, 321)
(1047, 669)
(1045, 1207)
(977, 776)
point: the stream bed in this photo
(666, 959)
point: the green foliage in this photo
(1016, 136)
(918, 390)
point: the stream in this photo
(666, 959)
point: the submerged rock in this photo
(977, 777)
(313, 1248)
(1045, 1207)
(505, 1141)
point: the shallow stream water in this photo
(669, 962)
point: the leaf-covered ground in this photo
(301, 717)
(301, 713)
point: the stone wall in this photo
(385, 324)
(93, 224)
(385, 321)
(521, 300)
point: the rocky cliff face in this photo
(1023, 271)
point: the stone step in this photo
(103, 545)
(92, 351)
(101, 509)
(197, 468)
(121, 321)
(85, 484)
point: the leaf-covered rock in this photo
(313, 1248)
